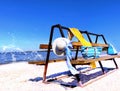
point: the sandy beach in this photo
(22, 76)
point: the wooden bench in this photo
(74, 62)
(76, 45)
(80, 60)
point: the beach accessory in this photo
(111, 50)
(68, 59)
(59, 45)
(83, 41)
(80, 37)
(91, 52)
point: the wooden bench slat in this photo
(74, 62)
(75, 45)
(103, 58)
(101, 45)
(43, 62)
(44, 46)
(79, 61)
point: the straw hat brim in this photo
(56, 46)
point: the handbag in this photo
(91, 52)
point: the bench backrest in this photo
(76, 45)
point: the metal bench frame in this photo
(77, 46)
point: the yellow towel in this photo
(80, 37)
(83, 41)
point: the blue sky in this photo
(24, 24)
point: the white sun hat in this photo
(59, 45)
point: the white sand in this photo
(28, 77)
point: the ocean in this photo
(17, 56)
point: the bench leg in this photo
(74, 66)
(115, 63)
(101, 67)
(78, 80)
